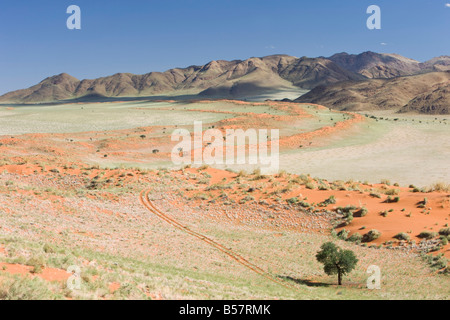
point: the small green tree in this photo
(336, 260)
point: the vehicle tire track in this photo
(229, 252)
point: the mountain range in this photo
(423, 93)
(345, 81)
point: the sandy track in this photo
(235, 256)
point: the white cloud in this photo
(270, 47)
(447, 5)
(383, 44)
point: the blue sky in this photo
(142, 36)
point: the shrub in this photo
(402, 236)
(371, 235)
(37, 263)
(440, 187)
(304, 204)
(293, 200)
(310, 185)
(436, 262)
(257, 175)
(362, 212)
(200, 196)
(242, 173)
(392, 200)
(423, 203)
(346, 211)
(392, 192)
(375, 195)
(330, 200)
(333, 233)
(356, 237)
(428, 235)
(343, 234)
(444, 232)
(48, 248)
(24, 288)
(246, 199)
(349, 219)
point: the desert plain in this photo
(92, 185)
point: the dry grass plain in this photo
(70, 196)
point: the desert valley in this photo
(87, 180)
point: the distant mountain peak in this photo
(60, 78)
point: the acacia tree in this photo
(336, 260)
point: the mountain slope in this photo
(427, 93)
(377, 65)
(310, 72)
(387, 65)
(256, 75)
(233, 79)
(441, 63)
(58, 87)
(434, 102)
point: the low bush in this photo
(343, 234)
(24, 288)
(362, 212)
(392, 192)
(356, 237)
(444, 232)
(37, 263)
(423, 203)
(402, 236)
(371, 235)
(427, 235)
(330, 200)
(310, 185)
(392, 200)
(436, 262)
(293, 200)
